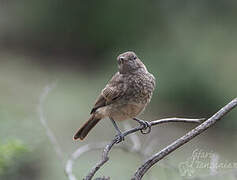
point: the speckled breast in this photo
(140, 88)
(138, 94)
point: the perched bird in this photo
(125, 96)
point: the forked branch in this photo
(105, 154)
(176, 144)
(184, 139)
(150, 161)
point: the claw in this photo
(145, 125)
(119, 138)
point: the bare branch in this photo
(175, 119)
(43, 121)
(137, 146)
(184, 139)
(134, 138)
(105, 158)
(162, 121)
(77, 154)
(109, 146)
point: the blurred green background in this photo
(189, 46)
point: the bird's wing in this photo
(112, 91)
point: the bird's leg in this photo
(145, 125)
(120, 135)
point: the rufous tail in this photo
(85, 129)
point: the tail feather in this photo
(86, 128)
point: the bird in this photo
(124, 97)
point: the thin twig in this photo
(184, 139)
(137, 147)
(162, 121)
(104, 159)
(77, 154)
(150, 162)
(134, 138)
(109, 146)
(43, 121)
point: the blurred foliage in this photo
(9, 153)
(16, 161)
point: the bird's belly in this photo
(120, 112)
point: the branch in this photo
(43, 121)
(134, 138)
(104, 159)
(84, 149)
(151, 161)
(105, 154)
(80, 151)
(77, 154)
(184, 139)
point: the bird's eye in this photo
(134, 57)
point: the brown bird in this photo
(125, 96)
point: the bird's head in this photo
(128, 62)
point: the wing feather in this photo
(112, 91)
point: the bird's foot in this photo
(119, 138)
(146, 126)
